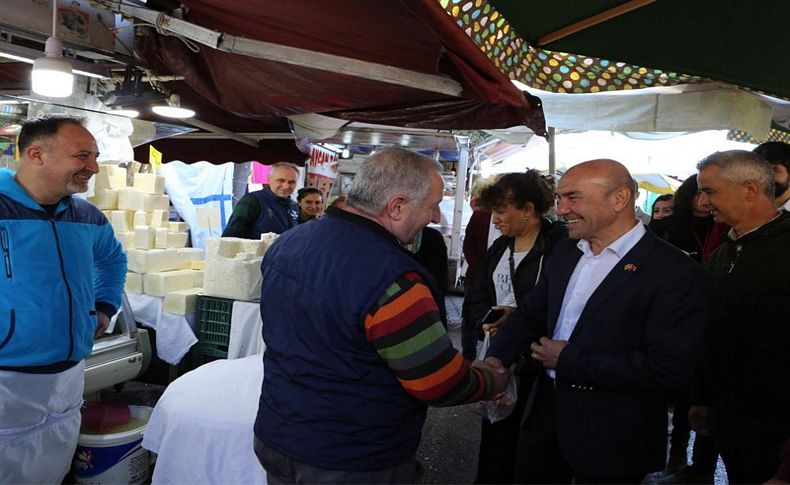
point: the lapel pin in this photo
(630, 267)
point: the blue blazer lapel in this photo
(623, 271)
(565, 264)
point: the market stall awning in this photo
(695, 107)
(743, 43)
(411, 35)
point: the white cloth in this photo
(590, 271)
(174, 333)
(246, 337)
(39, 424)
(201, 428)
(200, 185)
(503, 286)
(786, 206)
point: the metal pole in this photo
(460, 185)
(552, 153)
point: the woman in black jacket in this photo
(512, 266)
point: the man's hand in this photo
(547, 351)
(499, 373)
(101, 327)
(700, 419)
(493, 326)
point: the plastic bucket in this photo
(114, 458)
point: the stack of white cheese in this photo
(233, 266)
(159, 264)
(138, 214)
(176, 274)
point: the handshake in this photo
(502, 400)
(501, 377)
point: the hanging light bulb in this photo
(52, 74)
(173, 108)
(346, 153)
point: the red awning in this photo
(411, 34)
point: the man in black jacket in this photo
(615, 325)
(743, 394)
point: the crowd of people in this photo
(604, 322)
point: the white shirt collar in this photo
(620, 246)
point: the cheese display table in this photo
(201, 428)
(245, 330)
(174, 333)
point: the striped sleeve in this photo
(406, 330)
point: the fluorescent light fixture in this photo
(52, 74)
(24, 54)
(174, 109)
(129, 113)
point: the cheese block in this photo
(122, 221)
(133, 200)
(238, 278)
(187, 255)
(162, 283)
(161, 237)
(176, 239)
(142, 218)
(225, 247)
(198, 277)
(149, 183)
(126, 239)
(177, 226)
(198, 264)
(144, 237)
(110, 177)
(254, 246)
(181, 302)
(269, 237)
(134, 283)
(159, 218)
(152, 261)
(105, 199)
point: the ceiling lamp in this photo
(173, 109)
(52, 74)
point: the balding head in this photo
(597, 199)
(608, 173)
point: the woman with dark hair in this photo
(662, 207)
(511, 268)
(311, 204)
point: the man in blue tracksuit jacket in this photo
(61, 278)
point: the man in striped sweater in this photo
(359, 351)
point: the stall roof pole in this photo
(460, 186)
(552, 152)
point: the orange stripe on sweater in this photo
(446, 373)
(397, 306)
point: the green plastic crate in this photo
(213, 326)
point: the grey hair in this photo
(738, 166)
(388, 172)
(285, 165)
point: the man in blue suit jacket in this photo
(616, 325)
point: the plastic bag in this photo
(502, 408)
